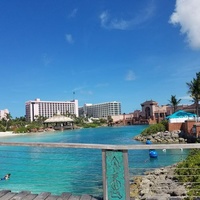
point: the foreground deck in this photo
(26, 195)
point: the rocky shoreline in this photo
(165, 137)
(159, 184)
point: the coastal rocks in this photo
(163, 137)
(159, 184)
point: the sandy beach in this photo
(8, 133)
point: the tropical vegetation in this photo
(154, 128)
(194, 91)
(188, 173)
(174, 102)
(86, 122)
(20, 125)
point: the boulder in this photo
(159, 184)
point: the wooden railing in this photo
(115, 164)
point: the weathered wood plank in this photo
(52, 197)
(86, 197)
(27, 195)
(3, 192)
(42, 196)
(8, 195)
(64, 196)
(72, 197)
(30, 197)
(93, 198)
(20, 195)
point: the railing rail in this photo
(103, 146)
(115, 162)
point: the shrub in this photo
(21, 129)
(90, 125)
(165, 123)
(2, 128)
(188, 172)
(153, 129)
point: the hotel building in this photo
(3, 113)
(102, 110)
(49, 108)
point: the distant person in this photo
(6, 177)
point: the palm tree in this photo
(194, 91)
(6, 121)
(110, 120)
(174, 102)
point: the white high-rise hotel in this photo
(49, 108)
(101, 110)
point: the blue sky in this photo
(103, 50)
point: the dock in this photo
(27, 195)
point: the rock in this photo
(181, 140)
(161, 196)
(178, 191)
(157, 171)
(163, 137)
(144, 191)
(175, 135)
(159, 184)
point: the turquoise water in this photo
(79, 171)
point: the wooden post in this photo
(115, 175)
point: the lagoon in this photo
(58, 170)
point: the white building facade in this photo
(50, 108)
(102, 110)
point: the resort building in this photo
(48, 109)
(150, 113)
(102, 110)
(3, 113)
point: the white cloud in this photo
(185, 98)
(187, 15)
(109, 22)
(69, 38)
(73, 13)
(130, 76)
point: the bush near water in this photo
(154, 128)
(188, 172)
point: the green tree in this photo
(19, 121)
(79, 121)
(194, 91)
(40, 120)
(6, 121)
(174, 102)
